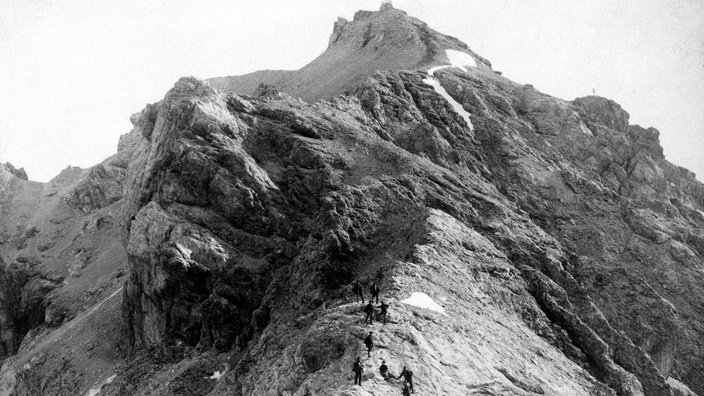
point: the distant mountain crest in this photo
(18, 173)
(387, 39)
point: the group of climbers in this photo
(357, 367)
(358, 290)
(405, 373)
(369, 308)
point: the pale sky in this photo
(73, 71)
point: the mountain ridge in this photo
(385, 39)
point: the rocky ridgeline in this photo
(564, 250)
(18, 173)
(385, 40)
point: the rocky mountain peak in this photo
(388, 39)
(391, 34)
(18, 173)
(604, 111)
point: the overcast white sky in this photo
(73, 71)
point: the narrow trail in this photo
(79, 319)
(60, 333)
(96, 307)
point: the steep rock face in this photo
(362, 210)
(375, 187)
(387, 39)
(22, 302)
(609, 197)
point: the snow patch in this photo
(96, 389)
(460, 59)
(701, 213)
(218, 374)
(586, 130)
(422, 300)
(435, 83)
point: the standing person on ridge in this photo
(369, 343)
(406, 391)
(383, 308)
(358, 291)
(374, 290)
(384, 370)
(369, 310)
(407, 376)
(357, 368)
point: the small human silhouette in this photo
(358, 291)
(383, 307)
(369, 343)
(374, 290)
(369, 310)
(407, 376)
(357, 368)
(406, 391)
(384, 370)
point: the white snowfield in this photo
(459, 60)
(422, 300)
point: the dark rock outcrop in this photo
(23, 292)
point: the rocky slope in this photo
(563, 250)
(60, 253)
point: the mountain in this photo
(384, 40)
(60, 254)
(525, 244)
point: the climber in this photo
(357, 368)
(374, 290)
(407, 376)
(383, 308)
(358, 292)
(384, 370)
(406, 391)
(369, 343)
(369, 309)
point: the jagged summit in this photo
(387, 39)
(18, 173)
